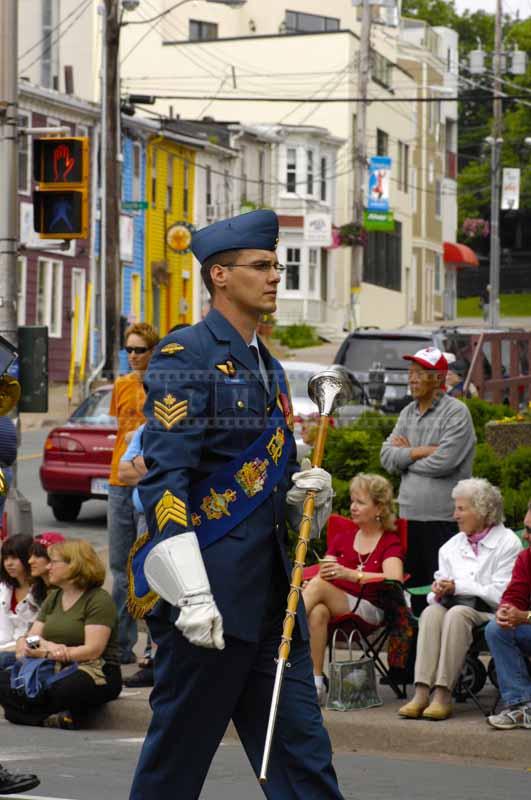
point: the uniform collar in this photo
(225, 332)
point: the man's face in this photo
(423, 383)
(251, 281)
(527, 528)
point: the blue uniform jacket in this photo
(208, 418)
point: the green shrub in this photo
(487, 465)
(516, 468)
(347, 452)
(483, 411)
(515, 504)
(296, 335)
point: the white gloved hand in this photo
(175, 570)
(202, 624)
(314, 478)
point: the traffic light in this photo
(60, 203)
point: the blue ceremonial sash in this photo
(224, 499)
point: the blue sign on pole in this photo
(379, 180)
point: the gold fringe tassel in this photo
(139, 607)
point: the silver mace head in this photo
(330, 389)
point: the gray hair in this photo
(485, 499)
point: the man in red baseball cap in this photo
(432, 448)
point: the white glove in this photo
(175, 570)
(314, 478)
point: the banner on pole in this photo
(510, 189)
(379, 181)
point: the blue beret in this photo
(257, 230)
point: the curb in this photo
(466, 735)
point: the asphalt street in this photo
(91, 523)
(82, 766)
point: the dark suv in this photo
(364, 347)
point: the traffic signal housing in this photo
(61, 199)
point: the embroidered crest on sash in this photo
(170, 509)
(3, 484)
(252, 476)
(216, 504)
(227, 368)
(171, 348)
(168, 411)
(196, 520)
(276, 444)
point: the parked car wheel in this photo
(65, 509)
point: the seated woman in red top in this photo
(371, 551)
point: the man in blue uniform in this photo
(221, 461)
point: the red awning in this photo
(459, 255)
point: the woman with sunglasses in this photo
(127, 405)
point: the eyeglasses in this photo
(260, 266)
(138, 351)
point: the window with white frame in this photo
(227, 193)
(437, 282)
(186, 187)
(310, 156)
(414, 189)
(324, 179)
(169, 183)
(243, 175)
(313, 257)
(137, 171)
(293, 268)
(291, 170)
(403, 166)
(24, 155)
(49, 308)
(438, 199)
(208, 192)
(154, 177)
(49, 56)
(261, 177)
(22, 269)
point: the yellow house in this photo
(170, 181)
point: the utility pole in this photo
(360, 151)
(112, 153)
(495, 174)
(8, 169)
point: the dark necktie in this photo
(254, 353)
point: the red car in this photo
(77, 456)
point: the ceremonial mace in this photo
(328, 390)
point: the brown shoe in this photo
(437, 712)
(412, 710)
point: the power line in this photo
(59, 37)
(258, 99)
(52, 31)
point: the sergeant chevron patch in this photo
(169, 412)
(170, 509)
(171, 349)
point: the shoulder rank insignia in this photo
(171, 348)
(215, 505)
(169, 412)
(252, 476)
(170, 509)
(227, 368)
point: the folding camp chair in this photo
(396, 613)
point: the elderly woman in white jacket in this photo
(475, 566)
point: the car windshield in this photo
(363, 351)
(94, 410)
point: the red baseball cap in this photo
(48, 538)
(429, 358)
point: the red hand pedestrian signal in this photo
(62, 154)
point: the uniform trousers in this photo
(198, 691)
(443, 642)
